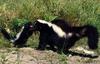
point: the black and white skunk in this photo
(50, 34)
(21, 38)
(60, 35)
(88, 31)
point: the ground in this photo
(32, 56)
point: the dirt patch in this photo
(32, 56)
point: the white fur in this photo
(44, 22)
(18, 35)
(84, 50)
(70, 34)
(56, 28)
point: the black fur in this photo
(88, 31)
(21, 40)
(48, 37)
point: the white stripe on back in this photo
(56, 28)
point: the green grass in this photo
(14, 13)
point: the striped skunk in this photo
(88, 31)
(20, 39)
(62, 36)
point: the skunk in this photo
(21, 38)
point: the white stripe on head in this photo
(56, 28)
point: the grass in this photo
(81, 11)
(63, 59)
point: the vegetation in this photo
(77, 11)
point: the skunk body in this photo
(20, 39)
(88, 31)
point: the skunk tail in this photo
(6, 34)
(93, 37)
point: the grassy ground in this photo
(14, 13)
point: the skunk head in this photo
(28, 26)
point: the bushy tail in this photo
(93, 37)
(6, 34)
